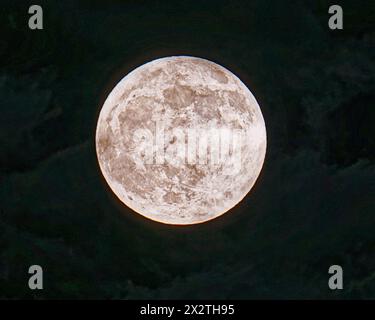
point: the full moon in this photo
(180, 140)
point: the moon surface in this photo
(180, 140)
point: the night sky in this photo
(313, 205)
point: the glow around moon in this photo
(180, 140)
